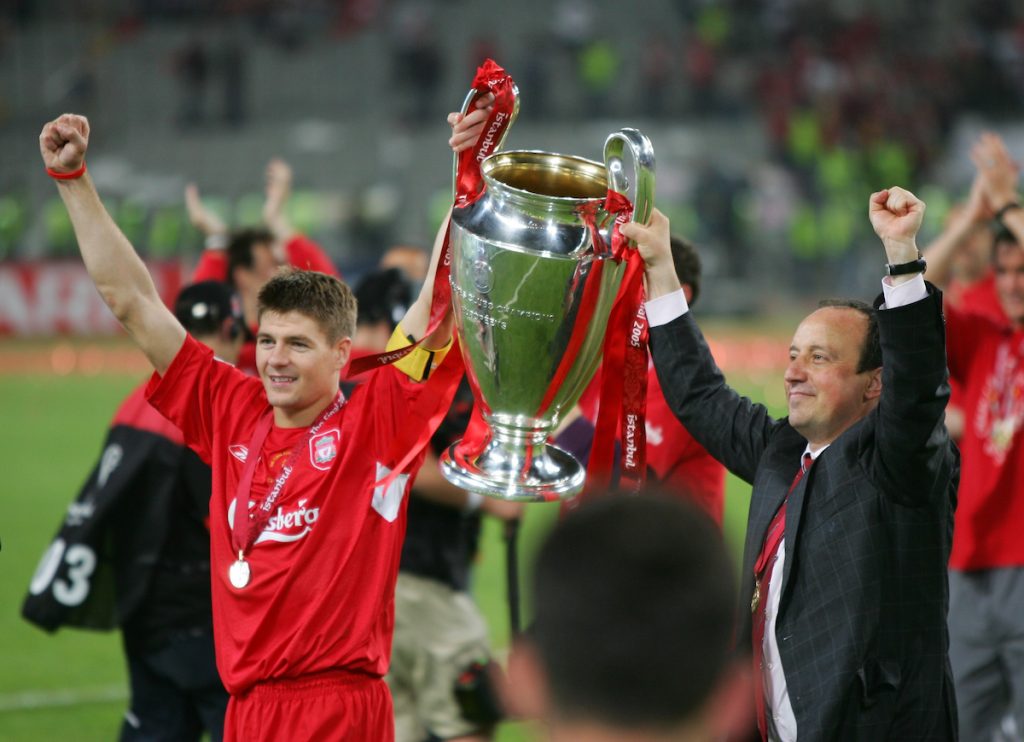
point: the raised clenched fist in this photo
(63, 143)
(896, 215)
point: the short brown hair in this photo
(324, 299)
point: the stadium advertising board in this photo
(58, 298)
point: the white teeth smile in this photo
(282, 379)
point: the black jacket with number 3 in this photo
(133, 548)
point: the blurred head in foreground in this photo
(634, 600)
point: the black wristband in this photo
(1010, 206)
(902, 269)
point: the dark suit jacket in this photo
(862, 618)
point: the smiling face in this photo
(824, 391)
(298, 365)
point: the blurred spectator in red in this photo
(986, 566)
(248, 258)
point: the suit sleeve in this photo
(733, 429)
(913, 459)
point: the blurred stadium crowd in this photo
(768, 118)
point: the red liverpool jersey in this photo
(324, 567)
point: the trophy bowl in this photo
(531, 294)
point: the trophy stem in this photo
(516, 464)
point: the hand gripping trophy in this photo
(534, 281)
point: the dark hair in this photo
(240, 248)
(634, 600)
(1001, 235)
(203, 308)
(383, 296)
(687, 264)
(871, 352)
(323, 298)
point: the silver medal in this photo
(239, 574)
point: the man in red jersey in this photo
(986, 576)
(960, 261)
(302, 587)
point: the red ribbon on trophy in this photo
(469, 186)
(490, 78)
(623, 392)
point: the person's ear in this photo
(342, 350)
(874, 388)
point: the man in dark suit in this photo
(850, 524)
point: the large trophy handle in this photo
(467, 105)
(643, 169)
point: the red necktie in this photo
(762, 576)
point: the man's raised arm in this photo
(465, 131)
(118, 272)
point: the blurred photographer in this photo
(139, 524)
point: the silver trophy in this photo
(523, 260)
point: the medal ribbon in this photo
(469, 186)
(245, 530)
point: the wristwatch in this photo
(902, 269)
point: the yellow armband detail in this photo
(421, 361)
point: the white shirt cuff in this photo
(666, 308)
(906, 293)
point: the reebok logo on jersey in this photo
(288, 523)
(239, 451)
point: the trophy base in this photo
(551, 474)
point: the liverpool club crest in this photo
(323, 449)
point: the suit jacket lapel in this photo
(813, 484)
(794, 509)
(771, 493)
